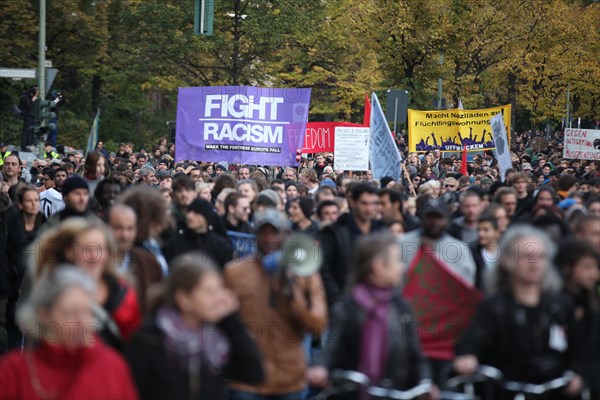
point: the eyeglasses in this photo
(450, 186)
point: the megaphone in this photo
(299, 255)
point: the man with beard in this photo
(76, 196)
(450, 251)
(60, 177)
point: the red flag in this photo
(367, 116)
(463, 163)
(442, 302)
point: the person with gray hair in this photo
(525, 329)
(148, 175)
(68, 360)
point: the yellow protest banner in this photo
(450, 130)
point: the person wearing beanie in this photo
(76, 196)
(385, 181)
(300, 211)
(200, 236)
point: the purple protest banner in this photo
(241, 124)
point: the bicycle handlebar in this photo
(394, 394)
(482, 373)
(542, 388)
(488, 373)
(345, 381)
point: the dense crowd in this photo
(132, 274)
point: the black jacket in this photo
(406, 365)
(158, 376)
(479, 265)
(516, 339)
(216, 247)
(12, 237)
(337, 243)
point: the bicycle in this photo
(521, 390)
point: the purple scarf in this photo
(205, 344)
(374, 338)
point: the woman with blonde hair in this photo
(88, 244)
(203, 190)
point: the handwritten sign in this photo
(320, 138)
(351, 151)
(582, 144)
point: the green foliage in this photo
(128, 57)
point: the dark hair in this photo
(368, 249)
(183, 182)
(90, 163)
(395, 196)
(221, 182)
(488, 217)
(569, 254)
(323, 204)
(566, 182)
(231, 201)
(361, 189)
(108, 181)
(50, 172)
(545, 189)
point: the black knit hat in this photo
(202, 207)
(74, 182)
(307, 205)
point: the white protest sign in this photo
(582, 144)
(351, 149)
(501, 150)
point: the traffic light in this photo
(45, 117)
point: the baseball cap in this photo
(269, 198)
(526, 166)
(272, 217)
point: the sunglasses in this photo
(450, 186)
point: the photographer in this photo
(27, 106)
(59, 101)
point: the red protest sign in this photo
(319, 136)
(442, 302)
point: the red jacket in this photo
(51, 372)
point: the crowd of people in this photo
(135, 275)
